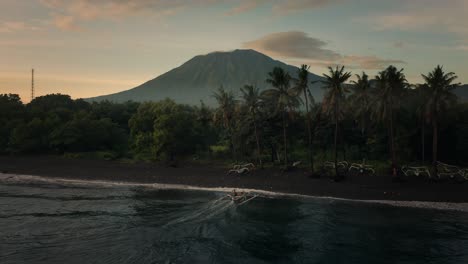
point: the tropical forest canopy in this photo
(380, 118)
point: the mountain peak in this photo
(236, 52)
(199, 77)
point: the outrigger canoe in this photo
(242, 198)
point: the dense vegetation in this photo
(381, 119)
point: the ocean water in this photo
(66, 223)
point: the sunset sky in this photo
(93, 47)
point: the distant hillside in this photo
(462, 93)
(199, 77)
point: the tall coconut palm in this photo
(252, 101)
(302, 87)
(440, 86)
(422, 92)
(390, 83)
(225, 112)
(361, 99)
(360, 102)
(334, 96)
(283, 97)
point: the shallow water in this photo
(64, 223)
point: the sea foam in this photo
(6, 178)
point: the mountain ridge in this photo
(199, 77)
(462, 92)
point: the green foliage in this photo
(219, 151)
(12, 113)
(336, 90)
(334, 100)
(31, 136)
(284, 100)
(86, 134)
(56, 124)
(378, 117)
(174, 130)
(165, 130)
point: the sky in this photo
(86, 48)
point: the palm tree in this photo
(440, 86)
(302, 87)
(391, 84)
(361, 99)
(225, 112)
(252, 101)
(331, 102)
(283, 97)
(421, 101)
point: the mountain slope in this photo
(462, 93)
(199, 77)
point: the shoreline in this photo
(370, 188)
(18, 178)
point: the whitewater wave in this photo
(32, 179)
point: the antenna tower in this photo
(32, 84)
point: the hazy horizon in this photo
(87, 48)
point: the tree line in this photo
(384, 118)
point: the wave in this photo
(206, 212)
(32, 179)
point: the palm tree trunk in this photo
(392, 145)
(364, 130)
(315, 125)
(231, 142)
(284, 139)
(336, 140)
(423, 141)
(434, 144)
(311, 158)
(258, 141)
(273, 153)
(341, 140)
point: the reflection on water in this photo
(47, 223)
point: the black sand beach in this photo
(271, 179)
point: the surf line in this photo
(5, 177)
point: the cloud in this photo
(368, 62)
(285, 7)
(245, 6)
(357, 62)
(66, 23)
(94, 9)
(15, 26)
(67, 14)
(434, 16)
(296, 45)
(404, 22)
(399, 44)
(293, 44)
